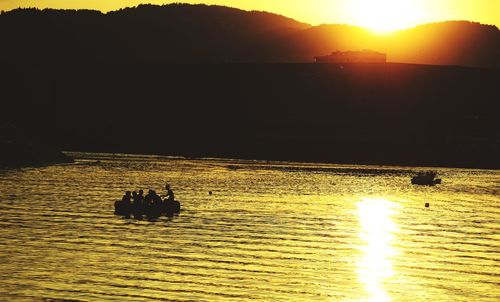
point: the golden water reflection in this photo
(377, 229)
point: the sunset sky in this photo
(378, 15)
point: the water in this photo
(269, 232)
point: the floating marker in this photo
(427, 205)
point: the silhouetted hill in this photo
(172, 33)
(355, 113)
(305, 44)
(181, 33)
(447, 43)
(19, 150)
(24, 140)
(119, 82)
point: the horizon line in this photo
(106, 12)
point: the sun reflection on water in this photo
(377, 229)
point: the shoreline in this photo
(389, 114)
(74, 154)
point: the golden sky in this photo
(378, 15)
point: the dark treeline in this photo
(170, 80)
(22, 110)
(181, 33)
(148, 33)
(359, 113)
(19, 149)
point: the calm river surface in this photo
(269, 232)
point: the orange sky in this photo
(378, 15)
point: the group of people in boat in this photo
(151, 204)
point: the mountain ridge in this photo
(183, 33)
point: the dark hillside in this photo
(360, 113)
(171, 80)
(171, 33)
(181, 33)
(23, 106)
(448, 43)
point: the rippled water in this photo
(269, 232)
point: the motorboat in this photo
(426, 179)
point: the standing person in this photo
(170, 193)
(172, 205)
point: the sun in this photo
(385, 16)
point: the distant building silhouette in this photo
(364, 56)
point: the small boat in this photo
(426, 179)
(167, 208)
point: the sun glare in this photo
(377, 230)
(385, 16)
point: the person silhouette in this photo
(170, 193)
(127, 197)
(137, 204)
(172, 205)
(122, 207)
(140, 198)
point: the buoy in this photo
(427, 205)
(209, 192)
